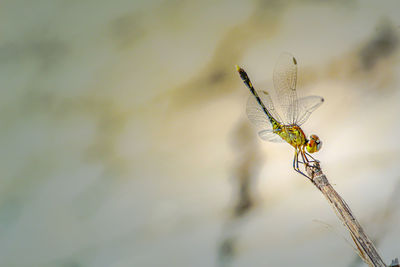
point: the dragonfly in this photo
(295, 111)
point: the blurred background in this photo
(125, 142)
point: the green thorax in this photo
(292, 134)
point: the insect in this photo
(295, 111)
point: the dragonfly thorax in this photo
(293, 134)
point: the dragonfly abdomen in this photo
(275, 124)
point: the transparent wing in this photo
(285, 79)
(306, 106)
(257, 116)
(268, 135)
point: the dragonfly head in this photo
(314, 144)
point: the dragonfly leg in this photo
(296, 164)
(305, 154)
(304, 157)
(314, 160)
(295, 159)
(310, 163)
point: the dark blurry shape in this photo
(395, 263)
(71, 264)
(48, 50)
(244, 174)
(217, 77)
(383, 43)
(248, 164)
(226, 251)
(126, 29)
(373, 60)
(245, 201)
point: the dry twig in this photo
(365, 247)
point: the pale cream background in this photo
(117, 121)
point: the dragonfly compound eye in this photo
(314, 144)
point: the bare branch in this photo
(366, 249)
